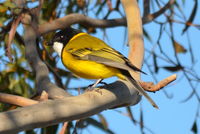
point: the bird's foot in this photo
(104, 83)
(98, 90)
(93, 86)
(100, 81)
(89, 89)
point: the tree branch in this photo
(146, 4)
(41, 70)
(52, 112)
(22, 101)
(87, 21)
(150, 87)
(16, 100)
(135, 34)
(81, 19)
(148, 18)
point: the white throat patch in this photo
(57, 46)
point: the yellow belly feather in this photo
(94, 70)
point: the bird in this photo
(91, 58)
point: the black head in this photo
(63, 36)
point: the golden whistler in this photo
(91, 58)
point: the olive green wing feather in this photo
(106, 56)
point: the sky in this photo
(173, 116)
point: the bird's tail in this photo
(139, 88)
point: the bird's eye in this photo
(61, 36)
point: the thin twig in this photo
(151, 17)
(63, 129)
(12, 32)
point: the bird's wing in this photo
(112, 58)
(106, 56)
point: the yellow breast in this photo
(87, 69)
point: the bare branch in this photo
(151, 17)
(41, 70)
(11, 36)
(56, 111)
(16, 100)
(135, 34)
(81, 19)
(149, 86)
(146, 4)
(87, 21)
(63, 129)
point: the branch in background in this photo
(151, 17)
(11, 36)
(87, 21)
(146, 4)
(41, 70)
(64, 128)
(81, 19)
(135, 34)
(16, 100)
